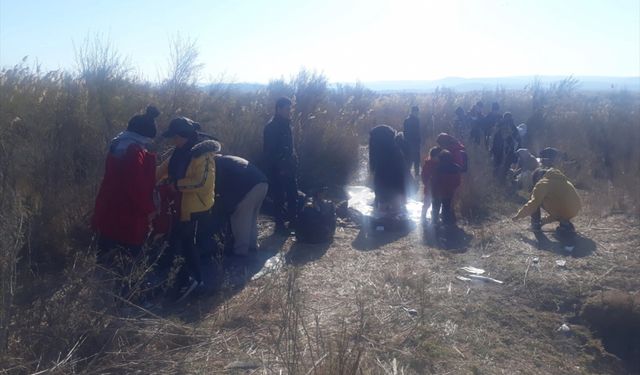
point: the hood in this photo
(449, 142)
(205, 147)
(121, 142)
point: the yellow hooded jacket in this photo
(197, 186)
(556, 194)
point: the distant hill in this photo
(472, 84)
(508, 83)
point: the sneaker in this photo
(188, 290)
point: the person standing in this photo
(446, 180)
(281, 165)
(240, 189)
(124, 205)
(190, 171)
(411, 130)
(428, 171)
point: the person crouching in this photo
(556, 195)
(240, 189)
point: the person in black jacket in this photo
(280, 161)
(240, 189)
(489, 123)
(413, 140)
(387, 167)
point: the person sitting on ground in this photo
(387, 167)
(428, 171)
(456, 148)
(124, 205)
(557, 195)
(240, 189)
(446, 180)
(190, 171)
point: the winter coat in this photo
(197, 185)
(428, 170)
(556, 194)
(411, 129)
(386, 163)
(446, 180)
(279, 154)
(235, 177)
(125, 198)
(456, 148)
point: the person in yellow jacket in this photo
(556, 195)
(191, 172)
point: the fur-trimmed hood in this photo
(205, 147)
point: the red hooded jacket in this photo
(125, 198)
(455, 147)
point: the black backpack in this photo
(316, 221)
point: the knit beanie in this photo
(145, 124)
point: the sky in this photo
(348, 41)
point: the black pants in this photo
(189, 239)
(414, 160)
(448, 216)
(283, 188)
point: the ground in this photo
(391, 303)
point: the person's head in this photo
(434, 152)
(445, 140)
(283, 108)
(479, 105)
(495, 107)
(144, 125)
(182, 130)
(459, 112)
(507, 116)
(415, 111)
(548, 156)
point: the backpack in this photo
(316, 221)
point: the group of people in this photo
(392, 156)
(192, 194)
(195, 191)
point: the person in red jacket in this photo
(124, 205)
(428, 170)
(444, 184)
(456, 148)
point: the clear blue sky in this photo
(369, 40)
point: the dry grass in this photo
(347, 311)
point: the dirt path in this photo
(393, 302)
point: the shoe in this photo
(188, 290)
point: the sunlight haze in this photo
(346, 40)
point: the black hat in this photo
(145, 125)
(549, 153)
(182, 126)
